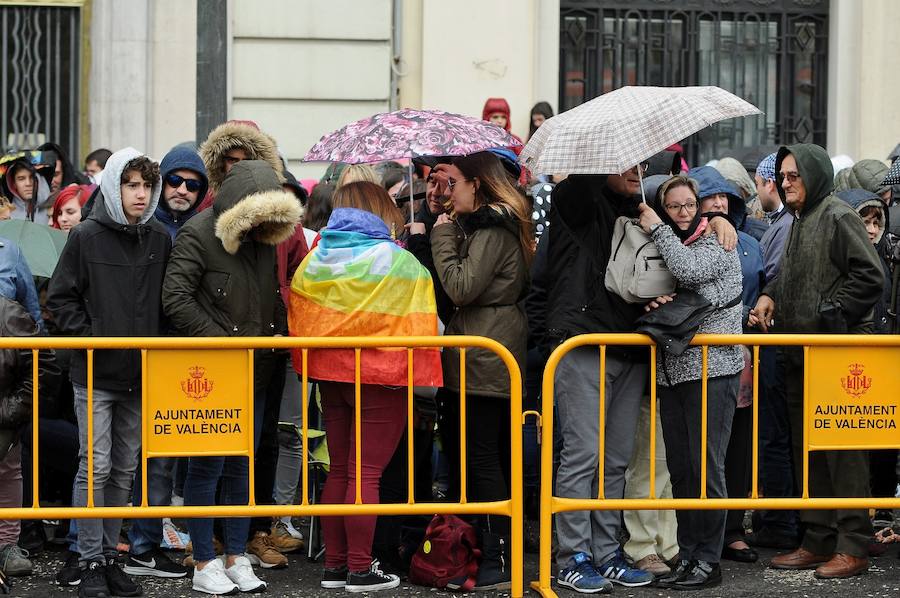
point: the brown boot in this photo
(799, 559)
(841, 566)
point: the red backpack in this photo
(448, 555)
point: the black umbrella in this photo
(893, 175)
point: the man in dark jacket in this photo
(108, 282)
(184, 183)
(222, 281)
(830, 280)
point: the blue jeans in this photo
(200, 489)
(117, 444)
(146, 534)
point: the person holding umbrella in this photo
(481, 256)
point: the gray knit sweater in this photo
(706, 268)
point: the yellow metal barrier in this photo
(551, 504)
(510, 508)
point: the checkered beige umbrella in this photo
(622, 128)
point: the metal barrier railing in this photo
(148, 346)
(551, 504)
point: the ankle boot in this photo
(494, 572)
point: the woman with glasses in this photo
(701, 265)
(481, 252)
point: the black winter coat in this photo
(108, 282)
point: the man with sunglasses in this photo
(184, 183)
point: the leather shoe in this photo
(842, 565)
(703, 575)
(741, 555)
(679, 572)
(799, 559)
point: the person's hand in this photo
(648, 217)
(441, 220)
(724, 232)
(416, 228)
(659, 301)
(763, 314)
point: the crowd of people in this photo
(224, 241)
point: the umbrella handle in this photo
(641, 179)
(412, 211)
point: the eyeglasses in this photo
(689, 206)
(451, 183)
(175, 181)
(790, 176)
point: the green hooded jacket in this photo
(828, 256)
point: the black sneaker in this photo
(70, 574)
(334, 578)
(118, 581)
(371, 580)
(93, 581)
(154, 563)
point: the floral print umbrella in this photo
(408, 134)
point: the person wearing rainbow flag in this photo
(358, 282)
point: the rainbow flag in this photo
(358, 282)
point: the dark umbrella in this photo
(893, 175)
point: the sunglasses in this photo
(175, 181)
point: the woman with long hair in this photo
(358, 282)
(481, 252)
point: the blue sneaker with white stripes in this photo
(581, 576)
(618, 570)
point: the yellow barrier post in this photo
(35, 419)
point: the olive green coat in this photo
(482, 267)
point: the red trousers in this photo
(348, 540)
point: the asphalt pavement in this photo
(301, 579)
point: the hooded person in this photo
(866, 174)
(221, 281)
(711, 182)
(830, 280)
(64, 172)
(184, 185)
(231, 142)
(496, 110)
(108, 282)
(735, 173)
(29, 189)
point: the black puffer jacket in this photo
(108, 282)
(581, 227)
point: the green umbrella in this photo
(40, 244)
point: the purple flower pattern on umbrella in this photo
(407, 134)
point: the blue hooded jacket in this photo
(711, 182)
(177, 159)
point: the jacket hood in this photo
(652, 184)
(111, 188)
(860, 199)
(43, 185)
(710, 182)
(251, 199)
(814, 166)
(494, 105)
(865, 174)
(737, 175)
(490, 216)
(182, 158)
(232, 134)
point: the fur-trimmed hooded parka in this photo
(237, 134)
(221, 279)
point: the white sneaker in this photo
(213, 580)
(289, 527)
(241, 573)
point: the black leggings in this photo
(487, 450)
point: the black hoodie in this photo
(828, 260)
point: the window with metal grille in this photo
(773, 53)
(40, 48)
